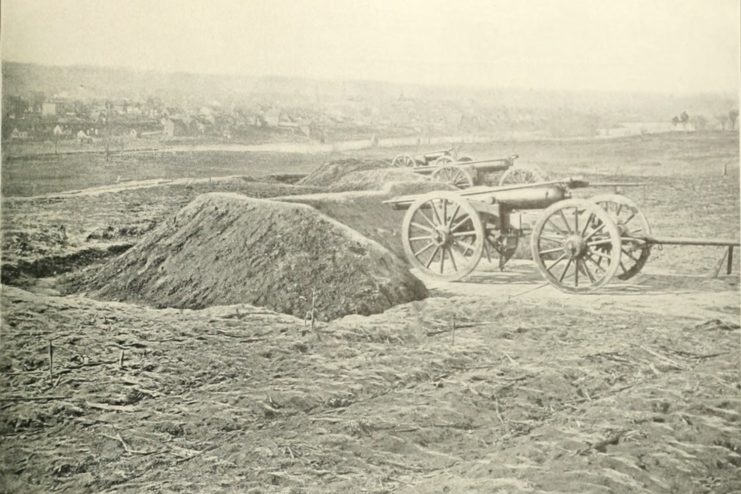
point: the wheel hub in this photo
(442, 236)
(574, 246)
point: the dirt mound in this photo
(378, 179)
(226, 248)
(331, 171)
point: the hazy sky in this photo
(674, 46)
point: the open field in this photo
(494, 384)
(34, 175)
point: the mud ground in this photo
(495, 384)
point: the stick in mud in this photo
(719, 266)
(452, 332)
(51, 361)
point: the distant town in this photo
(76, 107)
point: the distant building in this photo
(48, 108)
(18, 134)
(168, 127)
(174, 127)
(83, 137)
(272, 117)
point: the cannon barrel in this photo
(490, 165)
(531, 198)
(569, 183)
(496, 192)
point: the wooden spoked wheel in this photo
(443, 160)
(443, 236)
(522, 174)
(576, 246)
(403, 160)
(453, 175)
(632, 225)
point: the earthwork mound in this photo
(226, 249)
(379, 179)
(331, 171)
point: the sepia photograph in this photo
(370, 246)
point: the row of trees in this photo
(700, 122)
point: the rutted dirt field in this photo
(495, 384)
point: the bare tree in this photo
(723, 121)
(733, 116)
(684, 118)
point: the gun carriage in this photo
(578, 245)
(465, 172)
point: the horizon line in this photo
(735, 93)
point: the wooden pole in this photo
(452, 332)
(51, 360)
(729, 256)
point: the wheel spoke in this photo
(601, 254)
(630, 218)
(555, 226)
(563, 256)
(423, 249)
(563, 217)
(412, 239)
(586, 225)
(435, 213)
(452, 259)
(424, 216)
(464, 244)
(442, 260)
(599, 242)
(452, 218)
(460, 223)
(422, 227)
(576, 220)
(596, 263)
(630, 255)
(595, 231)
(576, 272)
(552, 239)
(550, 251)
(434, 253)
(565, 270)
(585, 268)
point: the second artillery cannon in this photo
(578, 245)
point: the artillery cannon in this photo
(441, 157)
(464, 172)
(578, 245)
